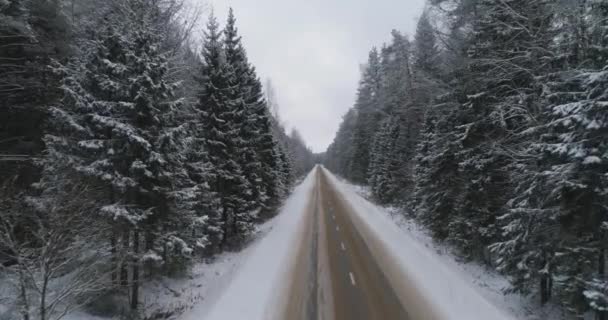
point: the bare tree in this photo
(59, 265)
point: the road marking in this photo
(343, 247)
(352, 278)
(337, 228)
(333, 217)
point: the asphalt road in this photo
(337, 276)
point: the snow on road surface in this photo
(409, 264)
(487, 281)
(257, 287)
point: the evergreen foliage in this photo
(490, 130)
(154, 155)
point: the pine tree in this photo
(500, 98)
(438, 179)
(512, 149)
(116, 128)
(368, 116)
(221, 117)
(598, 32)
(286, 173)
(259, 160)
(340, 152)
(265, 144)
(32, 33)
(244, 116)
(381, 176)
(576, 148)
(543, 207)
(399, 134)
(426, 52)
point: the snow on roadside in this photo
(168, 297)
(485, 281)
(200, 289)
(234, 285)
(253, 289)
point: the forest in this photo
(131, 146)
(490, 128)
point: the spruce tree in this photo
(368, 116)
(380, 175)
(427, 57)
(576, 147)
(438, 179)
(399, 134)
(244, 116)
(32, 34)
(597, 13)
(264, 143)
(112, 129)
(222, 118)
(500, 98)
(259, 158)
(340, 152)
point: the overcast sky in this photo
(312, 49)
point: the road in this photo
(336, 276)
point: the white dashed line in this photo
(343, 247)
(337, 228)
(352, 278)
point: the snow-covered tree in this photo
(32, 33)
(222, 117)
(497, 102)
(367, 107)
(340, 152)
(244, 116)
(576, 148)
(154, 154)
(509, 166)
(114, 128)
(399, 133)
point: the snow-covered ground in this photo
(426, 259)
(249, 284)
(252, 289)
(235, 285)
(201, 288)
(192, 297)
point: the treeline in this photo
(125, 151)
(491, 127)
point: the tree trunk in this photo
(113, 259)
(546, 283)
(543, 293)
(165, 258)
(235, 230)
(124, 274)
(224, 239)
(24, 303)
(225, 226)
(43, 298)
(148, 246)
(135, 270)
(602, 315)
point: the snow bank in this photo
(255, 291)
(449, 295)
(487, 281)
(200, 290)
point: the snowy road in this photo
(349, 282)
(333, 255)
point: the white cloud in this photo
(312, 49)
